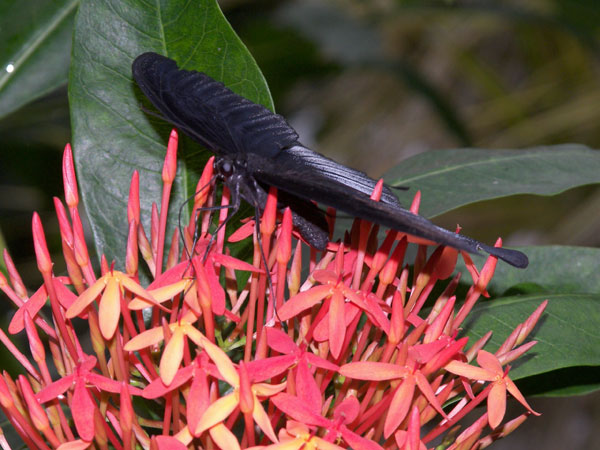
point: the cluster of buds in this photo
(219, 353)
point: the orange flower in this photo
(297, 435)
(403, 395)
(333, 287)
(491, 370)
(244, 395)
(112, 286)
(173, 352)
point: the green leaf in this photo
(36, 47)
(112, 135)
(578, 380)
(552, 269)
(452, 178)
(567, 332)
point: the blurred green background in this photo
(370, 83)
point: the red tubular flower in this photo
(111, 286)
(344, 356)
(218, 411)
(133, 203)
(83, 405)
(42, 254)
(170, 165)
(336, 427)
(491, 370)
(403, 397)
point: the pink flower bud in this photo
(133, 204)
(269, 217)
(42, 254)
(284, 249)
(69, 178)
(170, 165)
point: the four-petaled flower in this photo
(173, 352)
(411, 377)
(306, 387)
(244, 396)
(340, 313)
(83, 405)
(491, 370)
(345, 413)
(112, 286)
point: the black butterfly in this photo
(256, 149)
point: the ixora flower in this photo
(219, 353)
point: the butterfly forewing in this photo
(219, 119)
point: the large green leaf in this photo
(554, 269)
(35, 49)
(112, 136)
(567, 333)
(452, 178)
(576, 380)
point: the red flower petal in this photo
(55, 389)
(217, 412)
(489, 362)
(82, 408)
(224, 438)
(172, 356)
(337, 325)
(262, 420)
(234, 263)
(399, 407)
(110, 309)
(348, 409)
(263, 369)
(302, 301)
(374, 371)
(77, 444)
(145, 339)
(357, 442)
(279, 341)
(496, 403)
(198, 399)
(157, 388)
(86, 297)
(307, 389)
(298, 410)
(469, 371)
(32, 306)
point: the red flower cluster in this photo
(357, 355)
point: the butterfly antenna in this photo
(196, 237)
(197, 213)
(399, 187)
(234, 209)
(264, 260)
(152, 113)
